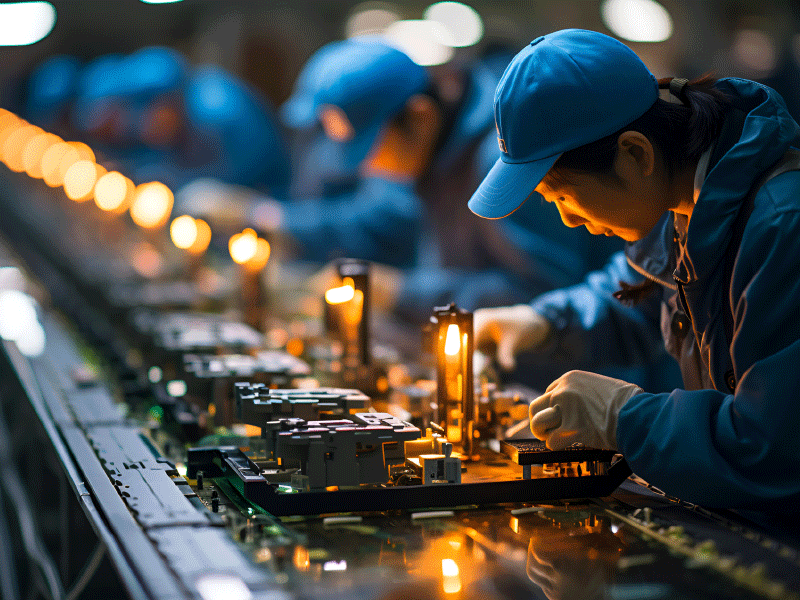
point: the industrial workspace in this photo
(372, 300)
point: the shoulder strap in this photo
(790, 161)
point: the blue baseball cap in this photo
(367, 79)
(564, 90)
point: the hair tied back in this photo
(677, 87)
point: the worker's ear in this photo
(636, 156)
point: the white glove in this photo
(225, 205)
(580, 407)
(510, 329)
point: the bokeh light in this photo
(51, 162)
(261, 257)
(152, 204)
(183, 232)
(15, 143)
(113, 192)
(637, 20)
(463, 22)
(25, 23)
(427, 43)
(754, 52)
(79, 180)
(370, 18)
(203, 237)
(34, 150)
(243, 246)
(341, 294)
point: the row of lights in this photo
(72, 165)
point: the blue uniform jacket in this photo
(715, 446)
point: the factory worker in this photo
(51, 88)
(696, 186)
(418, 162)
(166, 120)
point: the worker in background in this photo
(417, 158)
(702, 190)
(166, 120)
(51, 88)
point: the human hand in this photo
(508, 330)
(580, 407)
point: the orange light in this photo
(15, 144)
(34, 150)
(243, 246)
(259, 261)
(203, 237)
(84, 152)
(113, 192)
(339, 295)
(294, 346)
(79, 180)
(146, 260)
(152, 204)
(51, 163)
(183, 232)
(452, 343)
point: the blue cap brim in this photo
(507, 185)
(299, 111)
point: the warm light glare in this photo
(637, 20)
(15, 144)
(183, 232)
(34, 150)
(449, 567)
(369, 21)
(84, 151)
(426, 42)
(79, 180)
(152, 204)
(341, 294)
(24, 23)
(243, 246)
(203, 237)
(754, 52)
(259, 261)
(452, 341)
(113, 191)
(463, 22)
(51, 163)
(451, 582)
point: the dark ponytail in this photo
(680, 131)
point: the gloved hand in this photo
(509, 330)
(580, 407)
(226, 206)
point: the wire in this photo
(88, 572)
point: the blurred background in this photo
(266, 43)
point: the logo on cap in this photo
(502, 143)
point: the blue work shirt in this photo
(716, 446)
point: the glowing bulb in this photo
(637, 20)
(152, 204)
(449, 566)
(34, 150)
(183, 232)
(113, 191)
(79, 180)
(15, 144)
(370, 21)
(243, 246)
(25, 23)
(203, 237)
(259, 261)
(463, 22)
(51, 163)
(84, 152)
(452, 342)
(427, 43)
(341, 294)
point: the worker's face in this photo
(627, 205)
